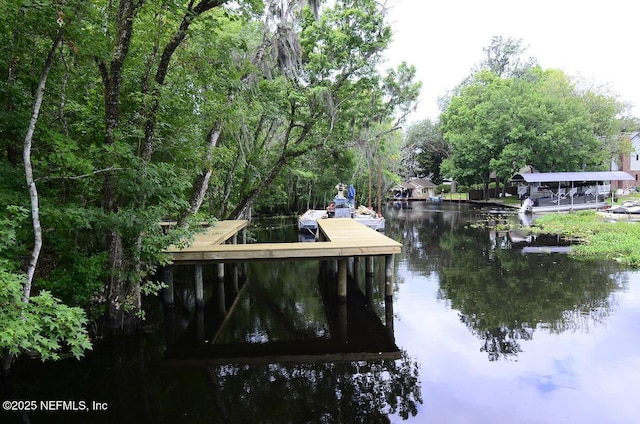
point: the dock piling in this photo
(342, 281)
(199, 286)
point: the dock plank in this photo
(216, 234)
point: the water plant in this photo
(600, 238)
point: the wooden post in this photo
(221, 296)
(342, 281)
(166, 276)
(199, 286)
(369, 279)
(234, 270)
(234, 278)
(380, 278)
(388, 281)
(356, 270)
(388, 315)
(168, 303)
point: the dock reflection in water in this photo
(287, 338)
(276, 317)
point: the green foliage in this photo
(78, 282)
(44, 326)
(424, 150)
(10, 223)
(599, 238)
(502, 121)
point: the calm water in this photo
(485, 328)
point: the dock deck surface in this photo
(216, 234)
(345, 238)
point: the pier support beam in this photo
(234, 279)
(166, 276)
(221, 298)
(342, 281)
(388, 316)
(356, 270)
(234, 269)
(199, 286)
(388, 280)
(368, 265)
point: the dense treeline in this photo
(510, 113)
(118, 115)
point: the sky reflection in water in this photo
(581, 366)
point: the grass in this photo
(455, 196)
(600, 239)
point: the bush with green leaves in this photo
(43, 327)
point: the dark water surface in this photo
(486, 326)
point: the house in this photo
(415, 189)
(631, 162)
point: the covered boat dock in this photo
(561, 191)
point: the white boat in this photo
(341, 207)
(527, 206)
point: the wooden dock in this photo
(341, 241)
(340, 237)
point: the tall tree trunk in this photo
(7, 358)
(28, 169)
(123, 294)
(201, 184)
(122, 306)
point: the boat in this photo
(627, 207)
(341, 207)
(527, 206)
(435, 198)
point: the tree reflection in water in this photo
(337, 392)
(503, 295)
(281, 305)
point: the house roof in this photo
(545, 177)
(421, 182)
(406, 185)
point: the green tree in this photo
(153, 109)
(329, 97)
(35, 323)
(424, 150)
(539, 119)
(477, 123)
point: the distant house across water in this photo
(414, 189)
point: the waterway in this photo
(487, 325)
